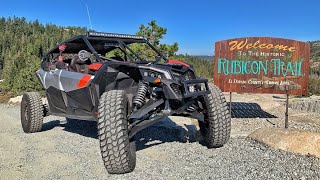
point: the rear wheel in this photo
(217, 127)
(31, 112)
(118, 152)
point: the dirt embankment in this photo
(296, 141)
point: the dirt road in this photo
(68, 149)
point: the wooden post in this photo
(286, 123)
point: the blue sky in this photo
(195, 25)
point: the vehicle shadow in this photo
(164, 131)
(84, 128)
(248, 110)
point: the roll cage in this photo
(101, 43)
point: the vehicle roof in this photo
(101, 42)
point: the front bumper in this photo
(185, 88)
(200, 87)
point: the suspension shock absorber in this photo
(139, 99)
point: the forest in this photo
(22, 43)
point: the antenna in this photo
(88, 14)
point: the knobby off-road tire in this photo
(216, 130)
(118, 153)
(31, 112)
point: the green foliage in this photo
(115, 53)
(154, 33)
(314, 75)
(314, 86)
(170, 49)
(203, 67)
(144, 51)
(315, 51)
(20, 42)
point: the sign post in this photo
(262, 65)
(286, 121)
(230, 103)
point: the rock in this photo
(15, 100)
(296, 141)
(315, 97)
(18, 99)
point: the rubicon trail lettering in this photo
(275, 66)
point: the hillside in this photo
(209, 58)
(21, 42)
(315, 51)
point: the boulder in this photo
(296, 141)
(15, 100)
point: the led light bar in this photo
(166, 73)
(113, 35)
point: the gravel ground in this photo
(168, 150)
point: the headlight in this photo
(196, 87)
(154, 72)
(192, 89)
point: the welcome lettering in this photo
(240, 45)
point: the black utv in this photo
(125, 84)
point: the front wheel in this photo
(217, 126)
(118, 152)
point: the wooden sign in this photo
(262, 65)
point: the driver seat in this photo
(77, 65)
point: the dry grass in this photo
(4, 97)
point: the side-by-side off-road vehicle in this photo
(125, 84)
